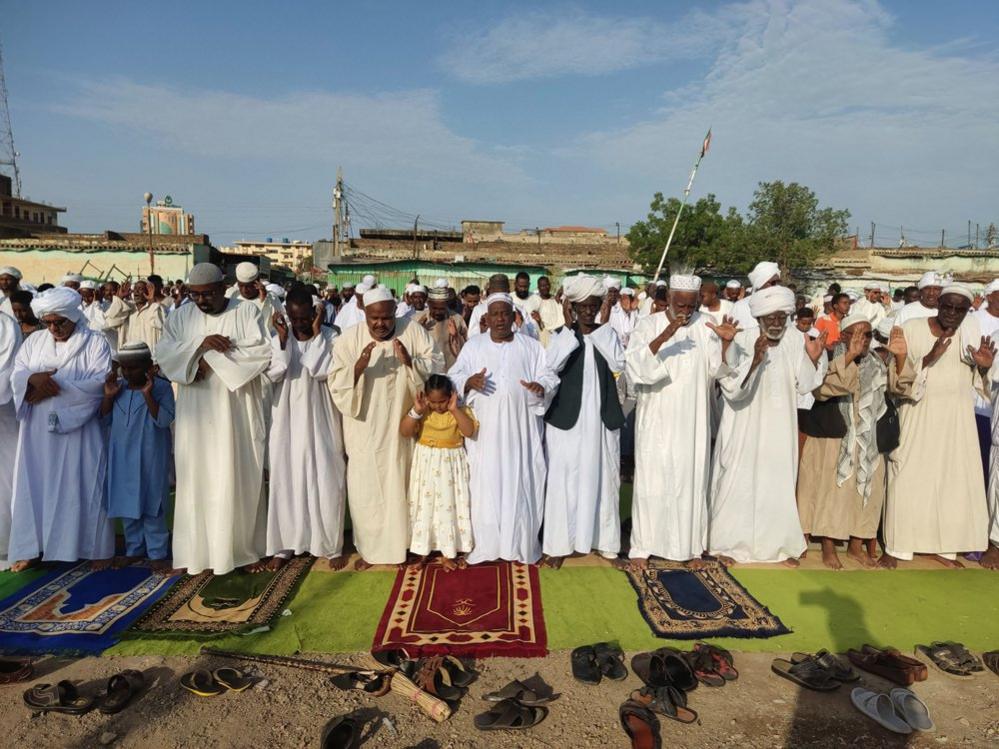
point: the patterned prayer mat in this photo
(489, 609)
(684, 604)
(236, 603)
(73, 610)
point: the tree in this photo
(700, 231)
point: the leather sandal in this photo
(517, 690)
(510, 715)
(641, 725)
(57, 698)
(668, 701)
(122, 688)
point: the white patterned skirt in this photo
(439, 509)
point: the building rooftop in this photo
(109, 240)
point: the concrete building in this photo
(21, 218)
(290, 254)
(167, 218)
(492, 231)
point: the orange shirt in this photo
(829, 325)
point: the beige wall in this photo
(51, 265)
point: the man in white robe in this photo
(378, 367)
(116, 310)
(763, 276)
(215, 351)
(870, 305)
(10, 341)
(545, 311)
(523, 323)
(712, 304)
(145, 324)
(753, 510)
(624, 315)
(57, 511)
(10, 280)
(305, 511)
(253, 291)
(930, 286)
(673, 359)
(583, 432)
(91, 307)
(508, 384)
(352, 311)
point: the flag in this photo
(707, 143)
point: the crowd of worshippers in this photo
(495, 423)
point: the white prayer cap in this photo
(410, 287)
(852, 293)
(88, 284)
(885, 326)
(61, 300)
(347, 285)
(438, 294)
(930, 278)
(627, 291)
(246, 272)
(733, 284)
(883, 288)
(72, 278)
(440, 283)
(363, 287)
(29, 287)
(612, 283)
(369, 281)
(660, 282)
(853, 320)
(276, 289)
(578, 288)
(872, 286)
(10, 270)
(203, 274)
(681, 282)
(418, 289)
(956, 288)
(131, 353)
(827, 298)
(992, 287)
(501, 296)
(377, 295)
(770, 300)
(763, 272)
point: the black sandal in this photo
(339, 733)
(584, 665)
(232, 679)
(510, 715)
(370, 682)
(943, 657)
(57, 698)
(121, 689)
(664, 667)
(668, 701)
(519, 691)
(459, 676)
(433, 679)
(808, 674)
(831, 663)
(641, 725)
(610, 660)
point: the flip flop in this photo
(668, 701)
(610, 659)
(510, 715)
(879, 708)
(941, 656)
(641, 725)
(201, 683)
(703, 666)
(339, 733)
(13, 670)
(831, 663)
(517, 690)
(911, 709)
(808, 674)
(723, 661)
(584, 665)
(121, 689)
(57, 698)
(232, 679)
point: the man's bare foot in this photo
(726, 561)
(256, 567)
(990, 559)
(829, 556)
(872, 549)
(461, 562)
(637, 565)
(360, 565)
(554, 563)
(98, 565)
(337, 563)
(856, 550)
(160, 566)
(275, 563)
(951, 564)
(449, 564)
(887, 562)
(698, 564)
(792, 563)
(22, 565)
(122, 562)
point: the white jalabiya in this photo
(753, 512)
(743, 316)
(308, 474)
(913, 311)
(6, 307)
(529, 328)
(95, 316)
(584, 463)
(550, 312)
(116, 313)
(989, 325)
(507, 457)
(674, 389)
(145, 325)
(58, 504)
(936, 498)
(219, 515)
(873, 311)
(349, 315)
(10, 341)
(379, 457)
(622, 322)
(267, 307)
(724, 309)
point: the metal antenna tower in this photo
(8, 156)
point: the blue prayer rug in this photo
(73, 610)
(684, 604)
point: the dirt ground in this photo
(289, 707)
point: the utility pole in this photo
(943, 243)
(969, 232)
(872, 235)
(8, 154)
(338, 213)
(976, 235)
(618, 225)
(415, 224)
(149, 231)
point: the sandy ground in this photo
(290, 707)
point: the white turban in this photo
(363, 287)
(29, 287)
(377, 295)
(72, 278)
(680, 282)
(956, 288)
(733, 284)
(10, 270)
(247, 272)
(627, 291)
(885, 326)
(872, 286)
(854, 296)
(88, 284)
(418, 289)
(440, 283)
(773, 299)
(61, 300)
(276, 289)
(993, 286)
(612, 283)
(849, 320)
(578, 288)
(500, 296)
(660, 282)
(369, 281)
(762, 273)
(203, 274)
(930, 278)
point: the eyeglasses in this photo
(196, 295)
(57, 324)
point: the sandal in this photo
(941, 656)
(668, 701)
(458, 675)
(808, 674)
(13, 670)
(664, 667)
(372, 683)
(888, 664)
(201, 683)
(232, 678)
(57, 698)
(121, 689)
(339, 733)
(610, 659)
(641, 725)
(517, 690)
(991, 660)
(967, 659)
(510, 715)
(703, 666)
(584, 665)
(831, 663)
(723, 661)
(433, 679)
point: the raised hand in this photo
(401, 353)
(362, 361)
(855, 349)
(897, 345)
(518, 318)
(261, 290)
(111, 386)
(216, 342)
(985, 354)
(567, 311)
(536, 316)
(420, 402)
(452, 328)
(535, 388)
(477, 381)
(760, 349)
(452, 403)
(815, 347)
(317, 319)
(727, 330)
(147, 387)
(483, 324)
(149, 292)
(281, 326)
(940, 346)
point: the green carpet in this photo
(13, 581)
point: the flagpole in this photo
(686, 192)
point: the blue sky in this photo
(536, 114)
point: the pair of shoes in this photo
(951, 658)
(822, 672)
(442, 676)
(529, 696)
(900, 711)
(372, 682)
(591, 663)
(64, 697)
(713, 666)
(347, 731)
(665, 667)
(888, 663)
(206, 683)
(525, 709)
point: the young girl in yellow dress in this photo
(439, 511)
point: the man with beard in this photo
(116, 310)
(841, 480)
(928, 290)
(215, 350)
(378, 367)
(10, 279)
(470, 298)
(754, 515)
(673, 361)
(91, 306)
(765, 275)
(253, 291)
(545, 311)
(447, 330)
(936, 502)
(583, 432)
(500, 284)
(145, 324)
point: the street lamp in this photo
(149, 230)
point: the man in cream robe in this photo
(10, 341)
(116, 312)
(508, 384)
(215, 351)
(673, 360)
(930, 286)
(378, 367)
(545, 311)
(753, 512)
(10, 280)
(57, 510)
(936, 499)
(145, 324)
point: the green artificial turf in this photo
(11, 582)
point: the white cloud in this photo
(542, 44)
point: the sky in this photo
(537, 114)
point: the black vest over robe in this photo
(564, 410)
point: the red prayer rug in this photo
(489, 609)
